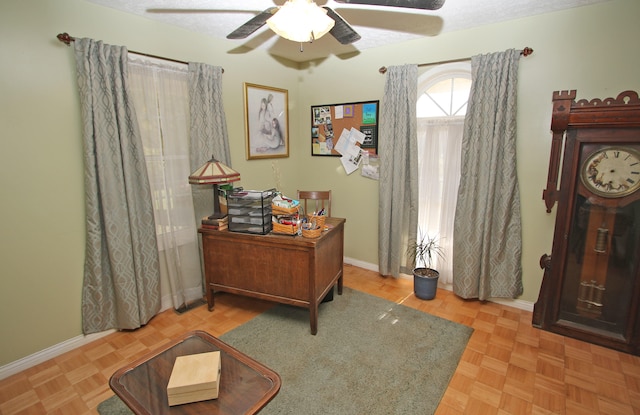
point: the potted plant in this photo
(422, 254)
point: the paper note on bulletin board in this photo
(328, 121)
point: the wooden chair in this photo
(318, 200)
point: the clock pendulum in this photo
(595, 262)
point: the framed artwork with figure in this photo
(266, 122)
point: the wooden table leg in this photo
(210, 299)
(313, 311)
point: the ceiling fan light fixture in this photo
(301, 21)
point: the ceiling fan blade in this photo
(253, 24)
(195, 11)
(411, 4)
(342, 31)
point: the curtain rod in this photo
(524, 52)
(67, 39)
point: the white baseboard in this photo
(519, 304)
(49, 353)
(68, 345)
(361, 264)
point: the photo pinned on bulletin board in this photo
(348, 146)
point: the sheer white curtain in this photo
(161, 97)
(439, 146)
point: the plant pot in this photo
(425, 283)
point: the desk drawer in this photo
(254, 266)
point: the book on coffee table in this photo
(194, 378)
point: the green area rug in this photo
(370, 356)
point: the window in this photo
(160, 93)
(443, 93)
(161, 96)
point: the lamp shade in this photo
(214, 172)
(301, 21)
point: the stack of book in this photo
(215, 224)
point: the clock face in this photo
(612, 171)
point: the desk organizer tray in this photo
(254, 219)
(262, 229)
(250, 211)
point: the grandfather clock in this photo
(591, 284)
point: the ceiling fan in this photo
(335, 24)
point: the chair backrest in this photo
(318, 200)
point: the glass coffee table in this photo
(246, 386)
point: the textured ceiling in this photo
(377, 25)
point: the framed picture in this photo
(266, 122)
(329, 122)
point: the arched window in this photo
(443, 92)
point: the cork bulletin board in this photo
(328, 122)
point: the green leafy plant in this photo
(423, 252)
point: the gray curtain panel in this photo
(487, 231)
(398, 184)
(208, 125)
(121, 288)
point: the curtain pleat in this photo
(487, 232)
(121, 287)
(209, 134)
(398, 184)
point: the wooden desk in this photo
(282, 268)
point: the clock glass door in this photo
(603, 246)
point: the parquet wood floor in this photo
(508, 367)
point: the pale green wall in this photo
(577, 49)
(41, 176)
(41, 169)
